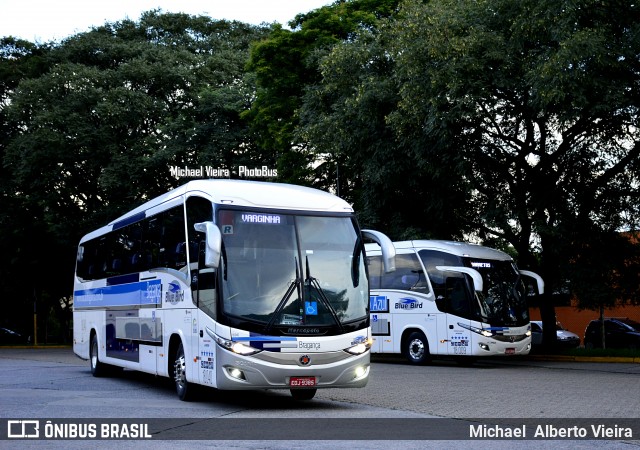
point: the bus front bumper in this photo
(493, 348)
(291, 370)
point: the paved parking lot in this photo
(55, 383)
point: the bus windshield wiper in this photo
(325, 301)
(295, 284)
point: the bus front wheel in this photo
(416, 348)
(183, 388)
(98, 369)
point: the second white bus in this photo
(449, 298)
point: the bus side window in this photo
(172, 239)
(431, 259)
(198, 210)
(457, 295)
(407, 276)
(375, 269)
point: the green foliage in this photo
(540, 101)
(515, 122)
(125, 102)
(286, 65)
(95, 122)
(344, 118)
(605, 270)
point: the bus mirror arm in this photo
(478, 284)
(213, 243)
(535, 276)
(386, 246)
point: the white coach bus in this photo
(449, 298)
(230, 284)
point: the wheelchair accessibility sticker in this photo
(311, 308)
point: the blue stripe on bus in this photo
(265, 338)
(131, 294)
(129, 220)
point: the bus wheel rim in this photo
(180, 366)
(416, 349)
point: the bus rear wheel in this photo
(416, 348)
(303, 394)
(183, 388)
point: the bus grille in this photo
(509, 337)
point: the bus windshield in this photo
(503, 300)
(284, 271)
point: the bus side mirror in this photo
(386, 246)
(213, 243)
(478, 284)
(538, 278)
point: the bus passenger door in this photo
(203, 285)
(442, 334)
(458, 335)
(203, 288)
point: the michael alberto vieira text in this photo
(550, 431)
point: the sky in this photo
(48, 20)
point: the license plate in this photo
(302, 381)
(510, 351)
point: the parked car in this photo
(565, 338)
(618, 333)
(10, 337)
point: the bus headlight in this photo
(361, 372)
(236, 373)
(237, 347)
(481, 331)
(359, 348)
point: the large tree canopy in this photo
(528, 109)
(96, 124)
(514, 122)
(286, 64)
(124, 102)
(345, 120)
(541, 99)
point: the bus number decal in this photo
(459, 344)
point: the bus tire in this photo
(416, 348)
(303, 394)
(183, 388)
(98, 369)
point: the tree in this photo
(97, 130)
(286, 64)
(19, 60)
(344, 118)
(540, 99)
